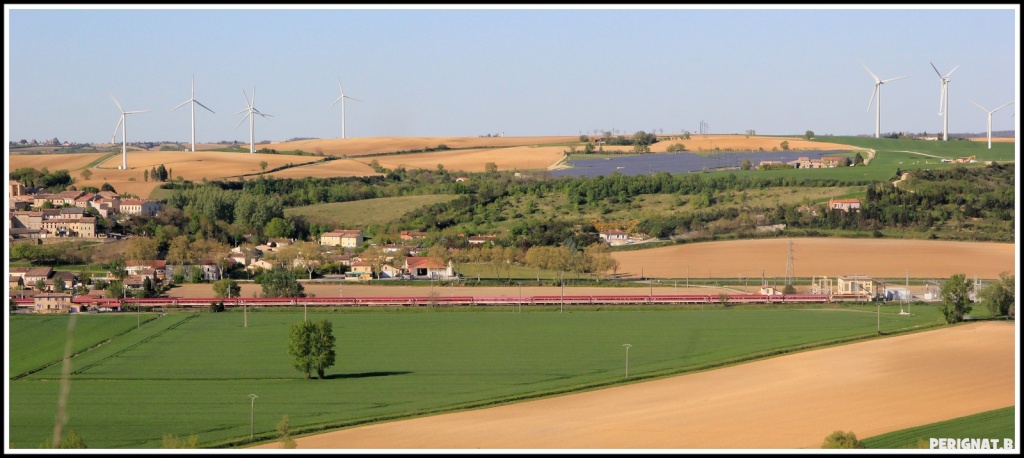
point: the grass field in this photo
(184, 374)
(362, 213)
(995, 424)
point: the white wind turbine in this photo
(193, 101)
(123, 124)
(990, 118)
(944, 100)
(342, 100)
(250, 112)
(878, 91)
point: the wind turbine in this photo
(250, 112)
(342, 100)
(193, 101)
(123, 124)
(878, 105)
(944, 100)
(990, 119)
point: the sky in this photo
(516, 70)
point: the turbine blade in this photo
(979, 106)
(1002, 106)
(182, 104)
(335, 102)
(116, 103)
(353, 98)
(869, 72)
(951, 71)
(134, 112)
(936, 70)
(243, 120)
(247, 102)
(942, 97)
(243, 110)
(204, 106)
(892, 79)
(872, 99)
(118, 126)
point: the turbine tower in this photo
(123, 124)
(944, 100)
(990, 119)
(250, 112)
(194, 102)
(878, 91)
(342, 100)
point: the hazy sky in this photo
(521, 70)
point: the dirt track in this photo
(788, 402)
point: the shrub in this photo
(842, 439)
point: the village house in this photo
(359, 270)
(480, 239)
(428, 268)
(139, 207)
(342, 238)
(49, 303)
(614, 237)
(845, 205)
(411, 235)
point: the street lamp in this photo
(252, 411)
(627, 358)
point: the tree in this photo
(86, 174)
(285, 433)
(956, 298)
(226, 287)
(858, 159)
(842, 439)
(263, 165)
(281, 282)
(117, 268)
(745, 165)
(107, 187)
(145, 175)
(784, 145)
(323, 347)
(490, 167)
(998, 297)
(300, 347)
(808, 135)
(311, 346)
(141, 249)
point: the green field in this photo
(994, 424)
(362, 213)
(184, 374)
(890, 155)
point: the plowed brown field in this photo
(832, 257)
(788, 402)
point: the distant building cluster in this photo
(66, 216)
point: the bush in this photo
(842, 439)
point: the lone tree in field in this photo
(956, 298)
(312, 347)
(842, 439)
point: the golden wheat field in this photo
(468, 154)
